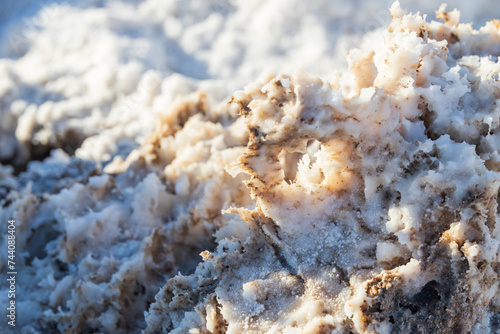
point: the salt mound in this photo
(376, 197)
(366, 203)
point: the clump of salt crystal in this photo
(376, 197)
(367, 203)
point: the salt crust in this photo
(367, 203)
(376, 196)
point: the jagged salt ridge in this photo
(388, 222)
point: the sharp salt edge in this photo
(365, 203)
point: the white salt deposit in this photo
(352, 193)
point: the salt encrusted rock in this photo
(376, 197)
(97, 247)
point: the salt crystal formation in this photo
(366, 204)
(387, 223)
(99, 246)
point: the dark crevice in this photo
(282, 260)
(428, 297)
(20, 165)
(273, 239)
(428, 117)
(69, 142)
(222, 323)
